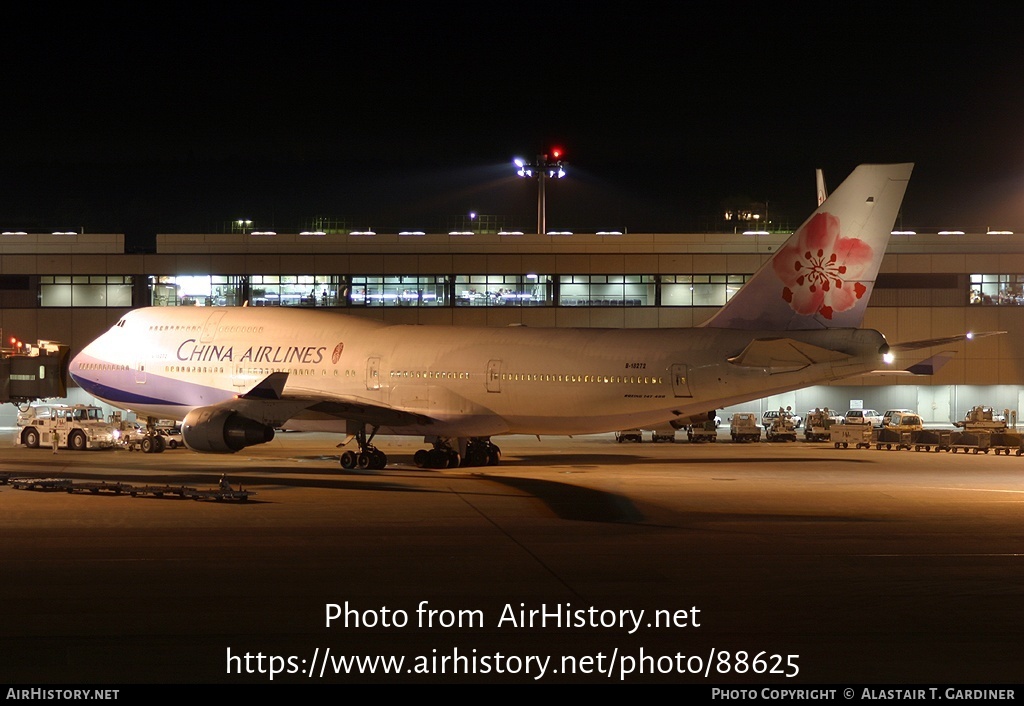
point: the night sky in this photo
(179, 117)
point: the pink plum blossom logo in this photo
(821, 270)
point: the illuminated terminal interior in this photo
(71, 287)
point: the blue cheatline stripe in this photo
(119, 387)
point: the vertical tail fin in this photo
(823, 275)
(819, 185)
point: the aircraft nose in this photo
(83, 357)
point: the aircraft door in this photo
(681, 380)
(210, 329)
(494, 376)
(238, 378)
(373, 374)
(140, 372)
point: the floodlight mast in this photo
(545, 167)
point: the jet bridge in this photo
(33, 371)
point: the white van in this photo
(864, 416)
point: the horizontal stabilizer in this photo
(784, 354)
(927, 343)
(930, 366)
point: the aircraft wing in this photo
(373, 414)
(267, 403)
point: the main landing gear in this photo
(368, 457)
(477, 452)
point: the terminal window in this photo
(85, 290)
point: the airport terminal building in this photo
(71, 287)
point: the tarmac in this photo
(576, 560)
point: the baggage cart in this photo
(857, 434)
(1006, 441)
(931, 440)
(970, 441)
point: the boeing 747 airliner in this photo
(234, 375)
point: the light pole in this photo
(545, 167)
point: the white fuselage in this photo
(467, 382)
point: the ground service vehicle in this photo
(900, 433)
(743, 427)
(781, 428)
(77, 427)
(818, 424)
(772, 414)
(700, 433)
(890, 413)
(663, 435)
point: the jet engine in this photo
(690, 420)
(216, 430)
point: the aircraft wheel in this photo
(493, 456)
(380, 459)
(30, 438)
(146, 444)
(158, 444)
(436, 458)
(476, 455)
(364, 460)
(348, 459)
